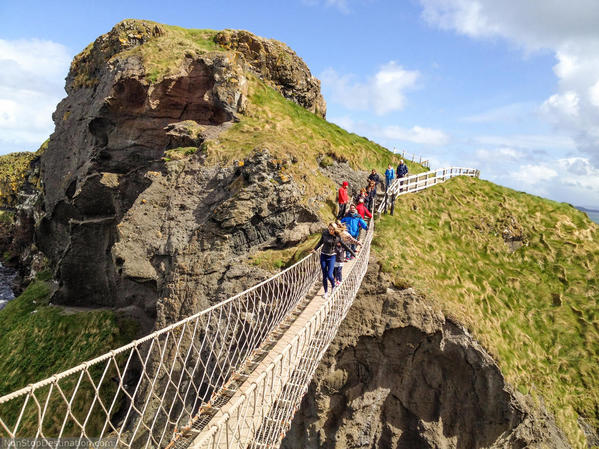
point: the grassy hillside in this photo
(38, 340)
(521, 272)
(294, 134)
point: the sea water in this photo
(593, 216)
(7, 275)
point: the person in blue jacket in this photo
(389, 176)
(353, 222)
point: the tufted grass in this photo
(291, 133)
(14, 169)
(536, 309)
(276, 259)
(162, 56)
(38, 340)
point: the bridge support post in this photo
(392, 203)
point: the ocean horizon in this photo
(594, 216)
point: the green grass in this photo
(162, 56)
(291, 133)
(175, 154)
(535, 309)
(38, 340)
(14, 168)
(276, 259)
(14, 171)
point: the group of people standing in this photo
(340, 240)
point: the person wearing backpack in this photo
(328, 255)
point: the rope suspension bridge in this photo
(230, 376)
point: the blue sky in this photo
(509, 87)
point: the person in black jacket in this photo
(402, 172)
(329, 239)
(374, 176)
(371, 195)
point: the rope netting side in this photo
(145, 392)
(421, 181)
(262, 414)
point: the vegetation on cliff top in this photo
(162, 49)
(39, 340)
(15, 168)
(521, 272)
(163, 55)
(291, 133)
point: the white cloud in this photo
(568, 179)
(568, 29)
(532, 24)
(564, 106)
(508, 113)
(498, 154)
(415, 134)
(31, 83)
(382, 93)
(393, 134)
(534, 174)
(529, 142)
(594, 94)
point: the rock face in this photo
(125, 227)
(400, 375)
(275, 61)
(19, 206)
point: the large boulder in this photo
(134, 215)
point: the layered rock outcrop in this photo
(123, 224)
(276, 62)
(401, 375)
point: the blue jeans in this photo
(327, 263)
(338, 273)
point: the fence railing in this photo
(421, 181)
(414, 158)
(262, 413)
(147, 392)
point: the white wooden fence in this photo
(421, 181)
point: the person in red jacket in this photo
(362, 210)
(343, 200)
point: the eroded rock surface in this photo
(401, 375)
(126, 226)
(276, 62)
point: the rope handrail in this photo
(138, 341)
(189, 360)
(260, 416)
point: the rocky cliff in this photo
(132, 211)
(399, 374)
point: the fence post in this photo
(385, 203)
(392, 204)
